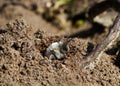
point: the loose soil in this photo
(24, 37)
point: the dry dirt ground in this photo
(23, 41)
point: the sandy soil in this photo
(23, 42)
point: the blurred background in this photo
(72, 18)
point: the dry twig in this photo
(109, 39)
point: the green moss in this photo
(79, 22)
(66, 1)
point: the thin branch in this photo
(109, 39)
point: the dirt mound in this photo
(25, 36)
(22, 60)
